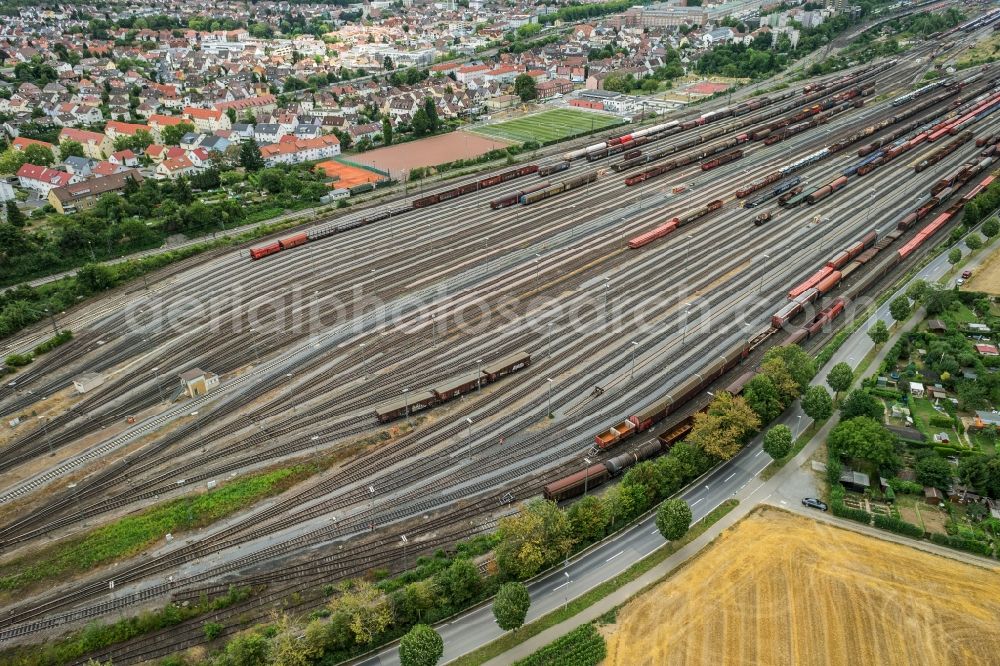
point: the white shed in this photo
(88, 381)
(917, 389)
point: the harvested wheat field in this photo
(782, 589)
(986, 278)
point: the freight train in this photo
(557, 188)
(452, 388)
(674, 224)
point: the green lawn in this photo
(922, 409)
(549, 125)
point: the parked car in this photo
(814, 503)
(966, 275)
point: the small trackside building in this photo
(198, 382)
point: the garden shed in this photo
(933, 496)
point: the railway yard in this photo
(457, 356)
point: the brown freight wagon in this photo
(574, 484)
(411, 403)
(505, 366)
(457, 386)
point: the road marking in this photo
(697, 500)
(783, 502)
(707, 488)
(654, 531)
(612, 557)
(761, 470)
(758, 453)
(729, 477)
(559, 587)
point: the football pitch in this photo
(548, 125)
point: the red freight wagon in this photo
(294, 241)
(654, 234)
(264, 250)
(813, 280)
(828, 283)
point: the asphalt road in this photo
(550, 590)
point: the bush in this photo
(212, 630)
(906, 487)
(842, 511)
(960, 543)
(888, 394)
(898, 526)
(19, 360)
(584, 646)
(62, 338)
(940, 421)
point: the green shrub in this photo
(906, 487)
(898, 526)
(584, 646)
(212, 630)
(19, 360)
(961, 543)
(940, 421)
(842, 511)
(60, 339)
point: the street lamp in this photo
(632, 373)
(402, 537)
(479, 374)
(45, 427)
(406, 403)
(197, 423)
(371, 490)
(549, 384)
(156, 380)
(568, 581)
(687, 309)
(765, 257)
(586, 475)
(798, 426)
(549, 354)
(468, 437)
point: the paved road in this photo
(478, 627)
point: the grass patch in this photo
(797, 446)
(548, 126)
(97, 636)
(129, 536)
(518, 636)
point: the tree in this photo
(917, 290)
(247, 650)
(250, 157)
(287, 649)
(865, 438)
(461, 581)
(860, 403)
(430, 108)
(538, 536)
(421, 123)
(386, 131)
(15, 217)
(801, 365)
(934, 471)
(899, 308)
(840, 378)
(973, 242)
(231, 114)
(95, 278)
(70, 149)
(421, 646)
(879, 333)
(725, 427)
(525, 88)
(991, 227)
(763, 398)
(673, 519)
(646, 477)
(954, 255)
(785, 384)
(778, 441)
(510, 606)
(816, 403)
(40, 155)
(588, 519)
(937, 299)
(366, 610)
(171, 134)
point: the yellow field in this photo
(986, 278)
(782, 589)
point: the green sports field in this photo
(548, 125)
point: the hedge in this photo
(907, 487)
(898, 526)
(960, 543)
(888, 394)
(584, 646)
(842, 511)
(61, 338)
(941, 421)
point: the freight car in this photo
(550, 169)
(762, 218)
(722, 159)
(474, 186)
(826, 190)
(514, 197)
(654, 234)
(559, 188)
(452, 388)
(284, 244)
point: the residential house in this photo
(191, 140)
(158, 122)
(21, 144)
(124, 158)
(267, 132)
(95, 144)
(117, 128)
(107, 169)
(365, 131)
(42, 179)
(80, 166)
(172, 168)
(294, 151)
(216, 144)
(207, 120)
(81, 196)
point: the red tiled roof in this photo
(44, 174)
